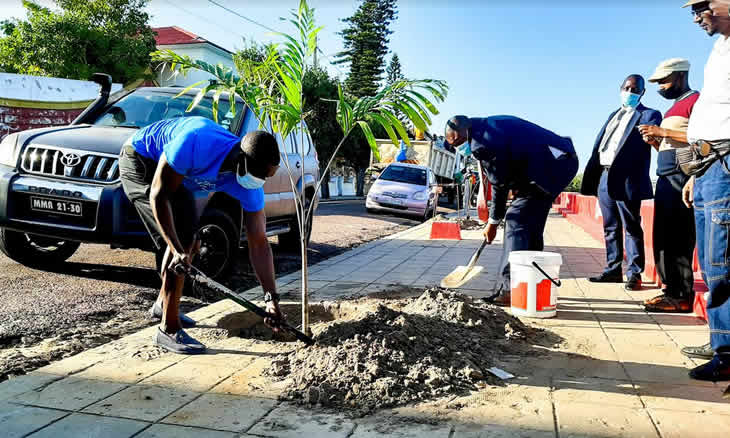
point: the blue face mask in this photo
(249, 181)
(630, 99)
(465, 149)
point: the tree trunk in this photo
(360, 184)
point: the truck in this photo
(442, 162)
(60, 186)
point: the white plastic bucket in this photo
(533, 294)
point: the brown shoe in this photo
(503, 300)
(669, 305)
(654, 300)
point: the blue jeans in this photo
(712, 221)
(617, 216)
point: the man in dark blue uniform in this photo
(536, 164)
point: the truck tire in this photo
(290, 241)
(33, 250)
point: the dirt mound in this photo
(403, 351)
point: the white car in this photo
(402, 188)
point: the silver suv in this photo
(60, 186)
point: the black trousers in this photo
(674, 236)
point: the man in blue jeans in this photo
(710, 192)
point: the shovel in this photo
(462, 274)
(198, 276)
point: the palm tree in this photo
(272, 90)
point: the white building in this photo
(187, 43)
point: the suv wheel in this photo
(33, 250)
(290, 241)
(219, 241)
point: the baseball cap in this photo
(667, 67)
(694, 2)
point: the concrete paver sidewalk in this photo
(617, 372)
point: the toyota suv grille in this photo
(70, 164)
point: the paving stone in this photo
(18, 385)
(74, 364)
(191, 376)
(222, 412)
(143, 402)
(589, 420)
(493, 431)
(687, 398)
(600, 392)
(290, 422)
(71, 393)
(91, 426)
(18, 421)
(375, 428)
(674, 425)
(127, 369)
(170, 431)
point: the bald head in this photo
(457, 130)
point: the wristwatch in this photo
(270, 296)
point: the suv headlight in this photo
(420, 196)
(7, 150)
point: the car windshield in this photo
(408, 175)
(144, 107)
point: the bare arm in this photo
(259, 249)
(652, 131)
(164, 184)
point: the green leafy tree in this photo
(394, 70)
(281, 101)
(574, 185)
(78, 39)
(319, 90)
(365, 40)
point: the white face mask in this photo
(249, 181)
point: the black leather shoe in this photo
(607, 277)
(715, 370)
(703, 352)
(633, 283)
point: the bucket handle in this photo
(555, 282)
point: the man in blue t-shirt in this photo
(157, 164)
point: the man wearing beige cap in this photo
(673, 251)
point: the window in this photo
(408, 175)
(291, 143)
(144, 107)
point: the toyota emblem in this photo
(70, 160)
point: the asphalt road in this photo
(101, 294)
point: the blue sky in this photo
(557, 63)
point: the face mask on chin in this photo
(249, 181)
(629, 99)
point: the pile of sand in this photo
(403, 350)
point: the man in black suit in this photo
(618, 173)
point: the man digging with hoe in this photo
(154, 165)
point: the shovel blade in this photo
(459, 276)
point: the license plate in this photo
(56, 206)
(396, 201)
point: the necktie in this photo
(611, 129)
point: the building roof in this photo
(172, 35)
